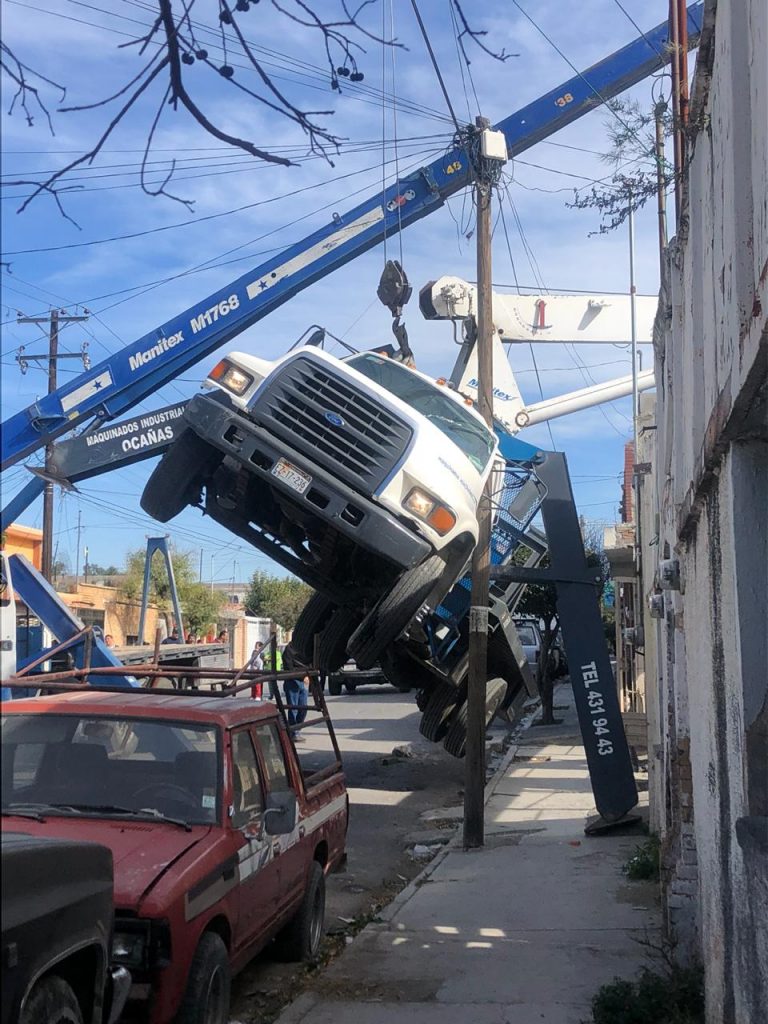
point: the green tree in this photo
(280, 598)
(200, 606)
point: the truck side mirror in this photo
(282, 813)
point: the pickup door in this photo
(292, 853)
(259, 892)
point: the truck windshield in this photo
(475, 440)
(68, 764)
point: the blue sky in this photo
(77, 43)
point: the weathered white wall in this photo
(710, 792)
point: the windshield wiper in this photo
(151, 812)
(34, 811)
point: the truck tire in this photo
(333, 640)
(403, 672)
(440, 705)
(206, 1000)
(501, 662)
(51, 1001)
(334, 686)
(314, 616)
(177, 479)
(392, 614)
(455, 741)
(301, 937)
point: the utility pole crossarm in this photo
(121, 381)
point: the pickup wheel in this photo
(51, 1001)
(333, 640)
(434, 722)
(455, 741)
(178, 478)
(334, 687)
(206, 1000)
(301, 937)
(392, 614)
(314, 617)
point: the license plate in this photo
(295, 478)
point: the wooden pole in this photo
(474, 778)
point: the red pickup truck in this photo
(220, 842)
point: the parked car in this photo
(220, 842)
(57, 930)
(529, 633)
(349, 677)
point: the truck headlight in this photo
(231, 377)
(427, 508)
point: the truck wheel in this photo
(332, 643)
(403, 672)
(501, 662)
(177, 479)
(392, 614)
(455, 741)
(350, 688)
(51, 1001)
(206, 1000)
(434, 722)
(334, 687)
(301, 937)
(314, 616)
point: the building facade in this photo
(704, 528)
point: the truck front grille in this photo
(327, 417)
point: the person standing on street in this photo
(295, 691)
(257, 665)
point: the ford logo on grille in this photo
(335, 419)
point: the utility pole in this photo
(488, 159)
(77, 551)
(54, 319)
(661, 195)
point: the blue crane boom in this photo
(122, 380)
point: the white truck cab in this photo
(367, 471)
(7, 625)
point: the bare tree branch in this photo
(476, 36)
(48, 185)
(17, 72)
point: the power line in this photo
(576, 71)
(435, 65)
(200, 220)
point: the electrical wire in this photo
(358, 92)
(653, 46)
(628, 128)
(200, 220)
(530, 345)
(435, 65)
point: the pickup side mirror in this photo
(282, 813)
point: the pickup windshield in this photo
(107, 767)
(475, 440)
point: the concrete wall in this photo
(710, 787)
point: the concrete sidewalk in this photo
(523, 931)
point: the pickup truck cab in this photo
(360, 475)
(219, 842)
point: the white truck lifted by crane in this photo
(367, 471)
(362, 473)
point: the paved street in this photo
(386, 801)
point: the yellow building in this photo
(24, 540)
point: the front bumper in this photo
(354, 516)
(120, 987)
